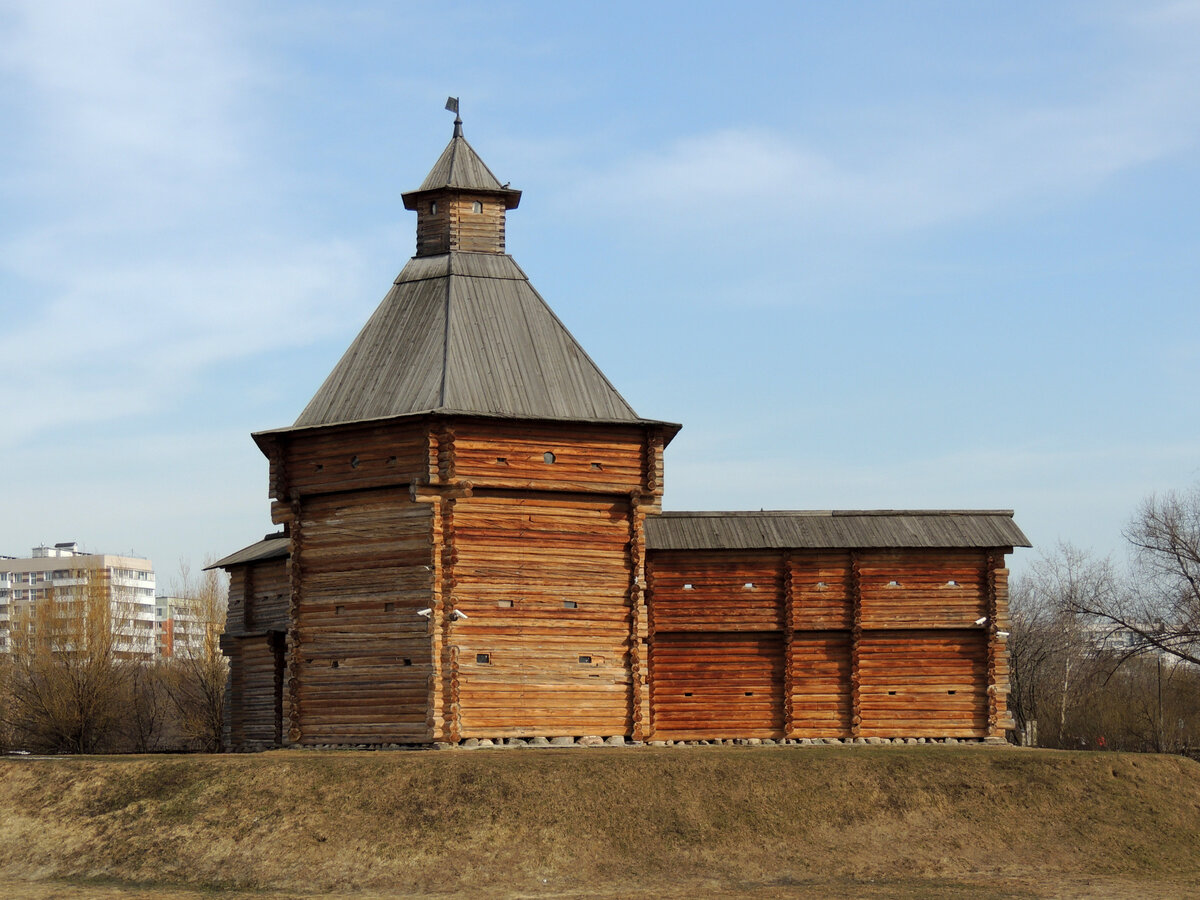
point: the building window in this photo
(433, 208)
(476, 207)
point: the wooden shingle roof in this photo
(832, 529)
(460, 168)
(465, 333)
(273, 546)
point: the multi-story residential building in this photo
(178, 630)
(65, 574)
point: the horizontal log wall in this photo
(235, 608)
(266, 603)
(477, 232)
(923, 683)
(872, 644)
(923, 588)
(544, 582)
(717, 685)
(254, 679)
(353, 457)
(361, 654)
(581, 458)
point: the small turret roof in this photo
(460, 168)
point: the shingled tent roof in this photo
(465, 333)
(460, 167)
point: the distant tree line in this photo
(78, 680)
(1108, 658)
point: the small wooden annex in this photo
(473, 544)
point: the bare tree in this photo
(197, 670)
(1055, 670)
(1159, 608)
(70, 665)
(1164, 609)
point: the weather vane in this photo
(452, 105)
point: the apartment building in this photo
(64, 574)
(178, 630)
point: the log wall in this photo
(832, 644)
(544, 583)
(548, 616)
(255, 626)
(361, 655)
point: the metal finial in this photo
(452, 105)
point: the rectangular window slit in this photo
(389, 607)
(483, 658)
(407, 661)
(338, 610)
(585, 659)
(570, 604)
(687, 693)
(951, 692)
(504, 603)
(749, 693)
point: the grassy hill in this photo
(760, 821)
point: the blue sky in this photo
(919, 255)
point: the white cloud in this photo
(136, 245)
(926, 171)
(131, 90)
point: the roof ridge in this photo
(830, 513)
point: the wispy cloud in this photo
(923, 171)
(136, 176)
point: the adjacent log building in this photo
(473, 545)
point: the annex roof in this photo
(273, 546)
(831, 529)
(465, 333)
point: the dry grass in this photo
(762, 822)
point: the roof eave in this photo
(512, 198)
(268, 437)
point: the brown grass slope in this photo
(574, 820)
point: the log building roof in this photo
(465, 333)
(461, 168)
(828, 529)
(273, 546)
